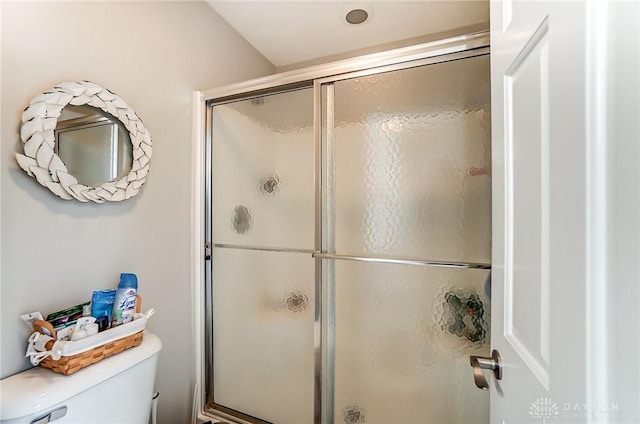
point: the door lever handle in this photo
(479, 363)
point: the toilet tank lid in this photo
(38, 389)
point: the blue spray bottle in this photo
(125, 303)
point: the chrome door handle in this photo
(479, 363)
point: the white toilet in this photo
(116, 390)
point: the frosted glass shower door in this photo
(263, 278)
(403, 336)
(407, 175)
(263, 172)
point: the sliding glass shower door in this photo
(263, 274)
(351, 232)
(407, 219)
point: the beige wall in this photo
(54, 253)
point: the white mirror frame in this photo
(39, 121)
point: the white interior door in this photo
(548, 252)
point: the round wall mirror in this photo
(83, 142)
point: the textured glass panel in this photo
(263, 171)
(403, 336)
(410, 163)
(263, 322)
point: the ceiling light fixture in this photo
(356, 16)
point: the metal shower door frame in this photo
(455, 48)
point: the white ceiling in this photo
(290, 32)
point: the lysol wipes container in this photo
(124, 305)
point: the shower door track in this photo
(401, 261)
(432, 52)
(445, 50)
(262, 249)
(361, 258)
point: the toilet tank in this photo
(118, 389)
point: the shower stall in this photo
(349, 233)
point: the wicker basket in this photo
(75, 355)
(70, 364)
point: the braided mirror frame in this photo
(39, 160)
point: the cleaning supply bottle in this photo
(125, 303)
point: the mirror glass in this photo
(94, 146)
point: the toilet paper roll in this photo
(91, 329)
(44, 327)
(40, 343)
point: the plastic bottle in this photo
(125, 303)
